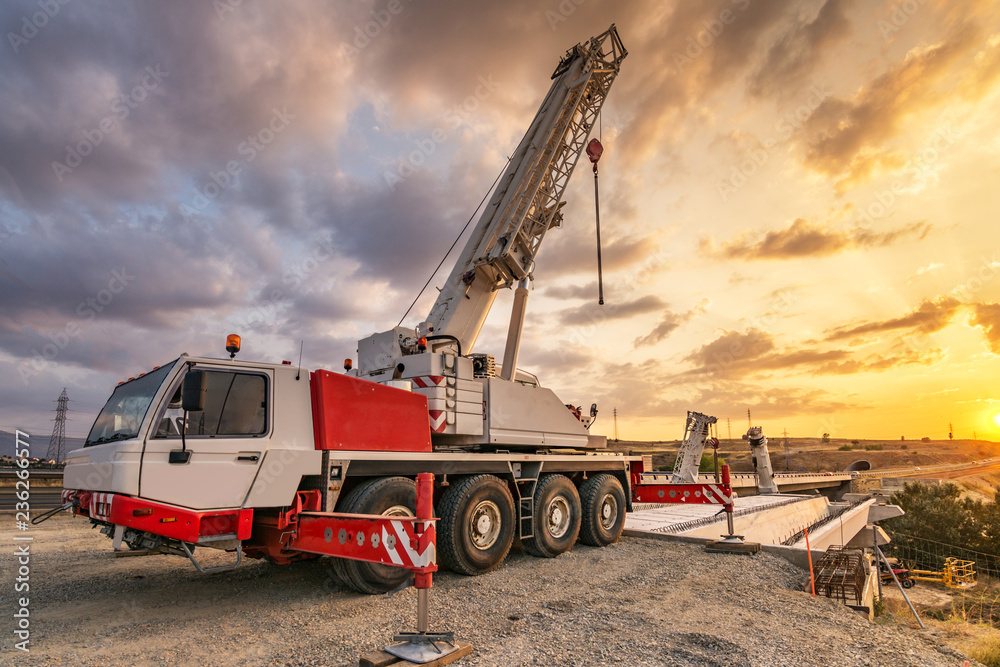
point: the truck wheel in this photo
(906, 583)
(557, 517)
(603, 503)
(387, 496)
(476, 526)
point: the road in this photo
(937, 471)
(982, 469)
(41, 498)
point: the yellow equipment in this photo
(956, 574)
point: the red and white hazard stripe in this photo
(699, 494)
(438, 421)
(100, 505)
(426, 381)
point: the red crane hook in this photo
(594, 152)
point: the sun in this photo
(996, 419)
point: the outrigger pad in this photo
(422, 649)
(732, 547)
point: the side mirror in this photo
(193, 394)
(593, 410)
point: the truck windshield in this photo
(123, 413)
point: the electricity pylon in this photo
(57, 443)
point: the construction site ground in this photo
(638, 602)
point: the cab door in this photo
(227, 440)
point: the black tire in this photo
(557, 512)
(603, 503)
(906, 583)
(476, 526)
(390, 496)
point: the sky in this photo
(798, 200)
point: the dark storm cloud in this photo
(85, 76)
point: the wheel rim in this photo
(485, 525)
(609, 511)
(557, 516)
(398, 510)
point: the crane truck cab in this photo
(254, 414)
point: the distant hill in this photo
(38, 444)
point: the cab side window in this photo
(235, 404)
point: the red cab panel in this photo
(354, 414)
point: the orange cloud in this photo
(736, 354)
(670, 322)
(800, 49)
(804, 239)
(929, 317)
(591, 313)
(987, 316)
(849, 135)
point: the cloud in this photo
(670, 322)
(731, 349)
(929, 316)
(577, 253)
(713, 395)
(799, 49)
(987, 316)
(591, 313)
(805, 239)
(751, 353)
(683, 75)
(849, 135)
(567, 292)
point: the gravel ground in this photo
(637, 602)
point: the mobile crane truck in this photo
(245, 456)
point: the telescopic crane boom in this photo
(470, 404)
(504, 244)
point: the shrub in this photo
(878, 606)
(902, 446)
(855, 442)
(925, 439)
(707, 464)
(987, 652)
(874, 448)
(844, 448)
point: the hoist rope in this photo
(453, 244)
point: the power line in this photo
(453, 244)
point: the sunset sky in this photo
(799, 200)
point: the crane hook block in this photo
(594, 150)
